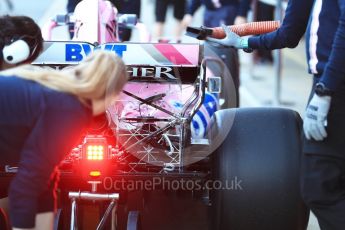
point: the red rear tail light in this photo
(95, 152)
(95, 161)
(95, 148)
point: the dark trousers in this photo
(324, 189)
(323, 169)
(224, 15)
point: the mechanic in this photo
(216, 12)
(14, 28)
(161, 8)
(262, 12)
(323, 166)
(43, 113)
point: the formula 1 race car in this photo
(167, 155)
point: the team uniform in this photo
(217, 12)
(323, 172)
(38, 127)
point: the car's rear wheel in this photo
(258, 166)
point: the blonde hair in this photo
(100, 75)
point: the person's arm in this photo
(315, 120)
(334, 73)
(288, 35)
(55, 131)
(291, 31)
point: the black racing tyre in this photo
(133, 221)
(258, 164)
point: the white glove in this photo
(315, 118)
(231, 39)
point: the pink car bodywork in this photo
(143, 60)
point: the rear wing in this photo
(148, 62)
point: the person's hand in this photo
(231, 39)
(240, 20)
(187, 20)
(315, 118)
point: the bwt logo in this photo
(76, 52)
